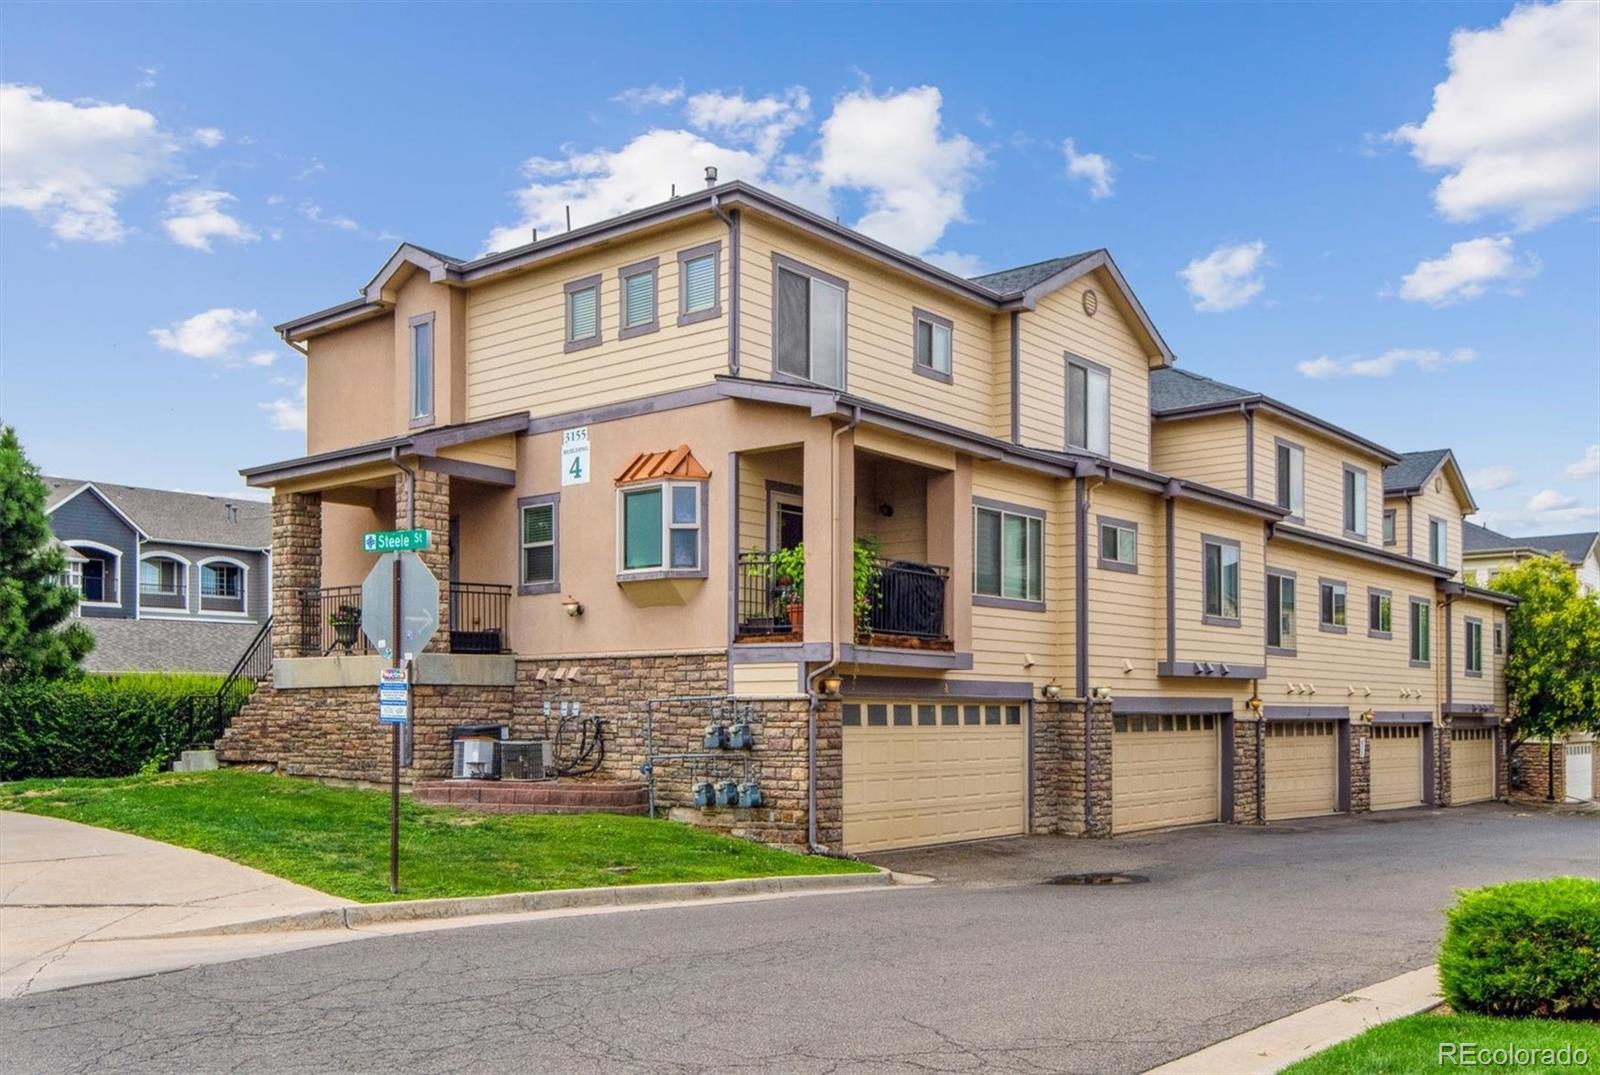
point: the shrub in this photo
(107, 725)
(1528, 948)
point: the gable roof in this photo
(1573, 547)
(1021, 278)
(1176, 393)
(181, 518)
(1415, 468)
(677, 462)
(1012, 289)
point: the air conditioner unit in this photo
(524, 759)
(473, 753)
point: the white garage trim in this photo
(1580, 771)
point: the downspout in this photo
(812, 700)
(1081, 556)
(1016, 376)
(732, 221)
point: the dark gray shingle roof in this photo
(152, 645)
(1172, 389)
(1573, 547)
(1021, 278)
(165, 515)
(1412, 470)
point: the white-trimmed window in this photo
(539, 535)
(1291, 478)
(809, 342)
(1088, 406)
(660, 528)
(219, 578)
(158, 575)
(1220, 571)
(1007, 555)
(931, 345)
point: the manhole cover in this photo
(1098, 879)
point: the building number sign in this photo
(575, 456)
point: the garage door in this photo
(1302, 768)
(1396, 766)
(918, 773)
(1580, 771)
(1471, 764)
(1164, 771)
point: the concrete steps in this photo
(536, 797)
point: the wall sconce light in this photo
(572, 606)
(1050, 691)
(1369, 716)
(886, 509)
(1100, 694)
(1254, 704)
(832, 686)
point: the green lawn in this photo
(1412, 1045)
(337, 839)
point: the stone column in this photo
(1442, 795)
(1360, 767)
(1088, 774)
(296, 568)
(1049, 767)
(1247, 805)
(432, 513)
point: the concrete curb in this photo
(1273, 1046)
(355, 916)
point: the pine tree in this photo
(33, 603)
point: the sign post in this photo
(399, 613)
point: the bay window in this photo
(661, 528)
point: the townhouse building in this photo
(977, 556)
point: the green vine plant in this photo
(787, 570)
(865, 572)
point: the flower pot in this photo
(344, 634)
(797, 617)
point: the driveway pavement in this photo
(986, 969)
(82, 904)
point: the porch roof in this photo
(424, 443)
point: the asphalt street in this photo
(988, 969)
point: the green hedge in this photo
(1528, 948)
(106, 725)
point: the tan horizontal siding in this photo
(1127, 612)
(1483, 690)
(1196, 639)
(516, 334)
(1325, 462)
(1210, 450)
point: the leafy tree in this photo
(1553, 652)
(33, 604)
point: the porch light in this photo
(572, 606)
(1051, 691)
(1101, 694)
(832, 686)
(1254, 703)
(1369, 716)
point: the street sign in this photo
(575, 456)
(419, 606)
(395, 541)
(394, 697)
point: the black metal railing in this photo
(904, 597)
(477, 612)
(152, 595)
(768, 605)
(478, 617)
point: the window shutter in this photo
(581, 314)
(794, 323)
(700, 284)
(640, 299)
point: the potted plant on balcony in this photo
(788, 567)
(866, 569)
(346, 624)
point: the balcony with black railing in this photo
(477, 612)
(155, 595)
(899, 603)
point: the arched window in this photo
(223, 585)
(95, 571)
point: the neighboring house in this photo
(1046, 581)
(1488, 553)
(170, 582)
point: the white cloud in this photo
(209, 137)
(890, 149)
(957, 262)
(67, 163)
(1551, 500)
(651, 96)
(288, 414)
(765, 122)
(1227, 278)
(147, 77)
(1588, 466)
(1092, 168)
(1516, 124)
(1522, 521)
(313, 212)
(262, 358)
(1466, 271)
(1384, 365)
(211, 334)
(195, 217)
(1488, 479)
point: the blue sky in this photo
(1294, 205)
